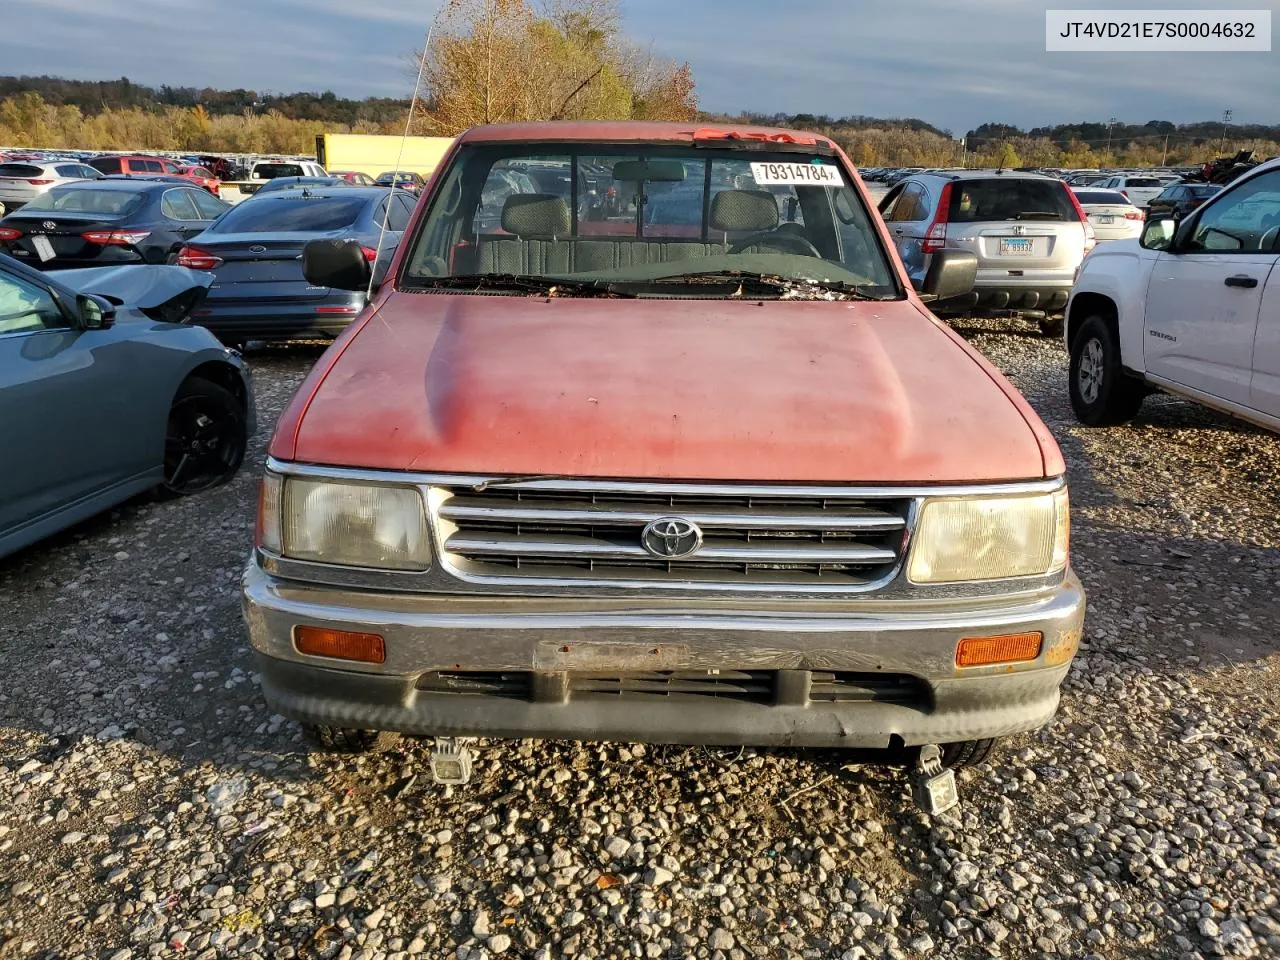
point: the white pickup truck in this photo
(1191, 308)
(265, 170)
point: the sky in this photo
(952, 63)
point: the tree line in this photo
(899, 142)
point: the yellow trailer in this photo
(377, 154)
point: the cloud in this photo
(954, 63)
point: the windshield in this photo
(74, 200)
(1010, 198)
(294, 213)
(674, 216)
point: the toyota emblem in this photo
(49, 225)
(257, 248)
(671, 538)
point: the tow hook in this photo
(450, 761)
(932, 784)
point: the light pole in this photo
(1226, 119)
(1110, 123)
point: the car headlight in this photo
(990, 538)
(345, 523)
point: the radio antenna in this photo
(408, 125)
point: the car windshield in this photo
(105, 202)
(1010, 198)
(686, 219)
(1208, 190)
(291, 213)
(1143, 182)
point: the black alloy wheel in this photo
(204, 444)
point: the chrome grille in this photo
(594, 533)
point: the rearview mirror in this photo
(952, 273)
(94, 312)
(1158, 232)
(339, 264)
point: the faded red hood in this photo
(706, 390)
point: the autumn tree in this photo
(501, 61)
(1007, 157)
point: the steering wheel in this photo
(784, 242)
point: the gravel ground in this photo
(151, 806)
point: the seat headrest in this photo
(753, 210)
(536, 215)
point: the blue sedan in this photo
(105, 393)
(255, 255)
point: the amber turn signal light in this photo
(340, 644)
(1009, 648)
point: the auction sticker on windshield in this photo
(797, 174)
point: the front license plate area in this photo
(594, 656)
(1016, 247)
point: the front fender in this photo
(1118, 272)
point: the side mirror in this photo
(336, 263)
(94, 312)
(952, 273)
(1158, 232)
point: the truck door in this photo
(1203, 303)
(1265, 392)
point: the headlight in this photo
(351, 524)
(990, 538)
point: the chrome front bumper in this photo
(548, 638)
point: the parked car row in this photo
(253, 249)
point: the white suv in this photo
(1028, 232)
(1192, 307)
(22, 181)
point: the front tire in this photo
(205, 441)
(968, 753)
(1102, 394)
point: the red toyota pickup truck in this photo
(646, 436)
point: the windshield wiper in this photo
(788, 288)
(524, 283)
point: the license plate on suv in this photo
(1016, 247)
